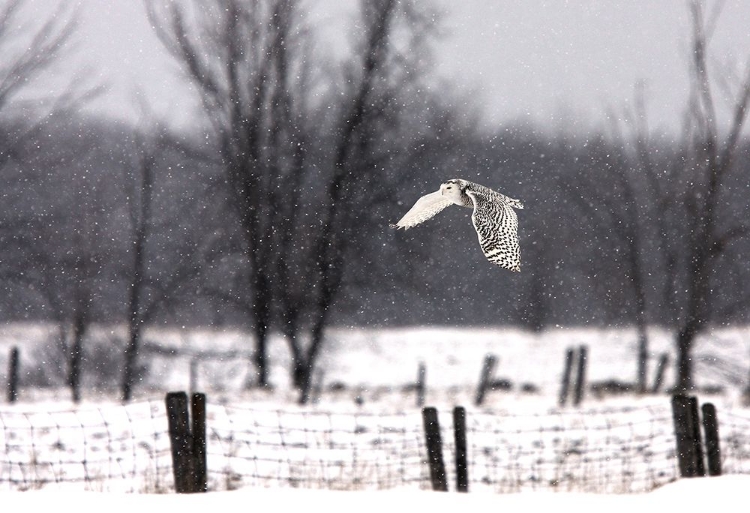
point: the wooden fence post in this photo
(421, 383)
(711, 430)
(434, 449)
(13, 375)
(188, 445)
(567, 372)
(661, 367)
(580, 375)
(700, 465)
(198, 410)
(682, 415)
(459, 431)
(485, 378)
(180, 440)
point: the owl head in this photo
(454, 190)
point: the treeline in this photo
(69, 223)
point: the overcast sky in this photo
(553, 60)
(558, 63)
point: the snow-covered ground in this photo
(377, 365)
(366, 374)
(706, 494)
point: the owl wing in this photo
(496, 224)
(425, 208)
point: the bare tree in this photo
(667, 214)
(357, 183)
(613, 202)
(708, 155)
(25, 56)
(26, 53)
(22, 64)
(228, 50)
(151, 292)
(64, 258)
(139, 196)
(293, 165)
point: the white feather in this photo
(425, 208)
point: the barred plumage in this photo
(494, 218)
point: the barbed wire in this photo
(126, 448)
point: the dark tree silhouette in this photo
(24, 56)
(151, 291)
(295, 165)
(664, 207)
(708, 156)
(236, 53)
(140, 200)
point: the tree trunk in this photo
(260, 359)
(76, 354)
(641, 328)
(141, 220)
(306, 370)
(131, 357)
(685, 338)
(262, 318)
(301, 375)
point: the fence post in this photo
(459, 431)
(198, 409)
(434, 449)
(485, 378)
(711, 429)
(180, 440)
(700, 466)
(567, 372)
(421, 383)
(661, 367)
(580, 375)
(13, 375)
(682, 415)
(188, 445)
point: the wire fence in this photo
(616, 451)
(279, 448)
(111, 448)
(734, 430)
(127, 448)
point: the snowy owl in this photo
(494, 219)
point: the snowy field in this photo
(516, 438)
(377, 366)
(686, 495)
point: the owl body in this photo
(494, 218)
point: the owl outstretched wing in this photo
(425, 208)
(496, 224)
